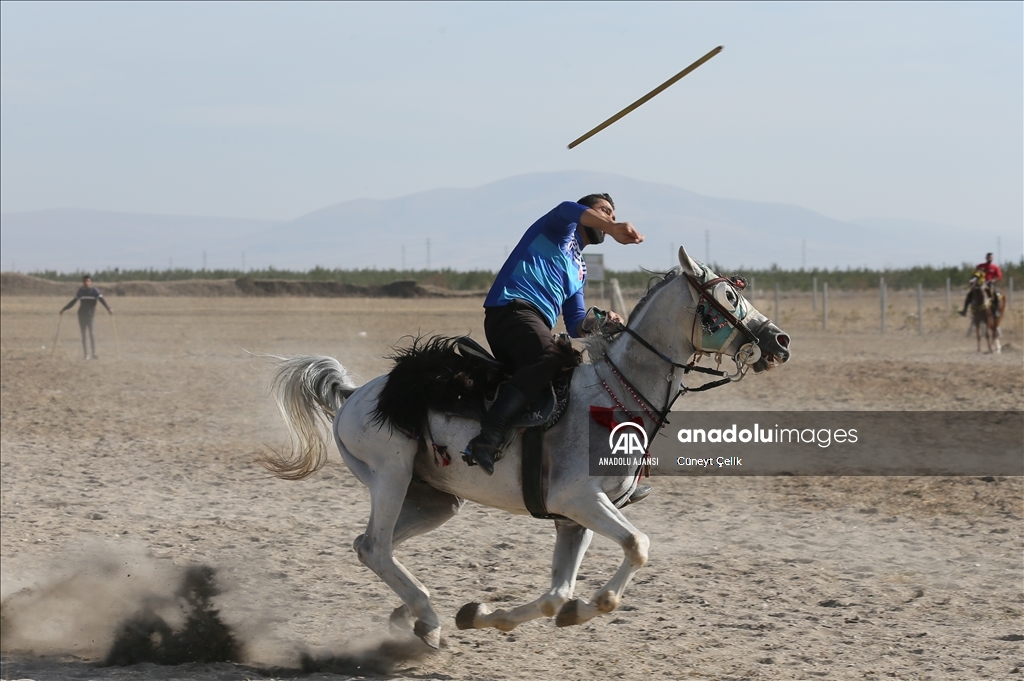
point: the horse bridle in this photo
(704, 295)
(659, 416)
(747, 355)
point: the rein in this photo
(659, 416)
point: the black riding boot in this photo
(483, 450)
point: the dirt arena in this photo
(119, 473)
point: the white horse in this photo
(691, 312)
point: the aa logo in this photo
(628, 438)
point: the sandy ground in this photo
(118, 473)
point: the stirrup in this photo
(481, 454)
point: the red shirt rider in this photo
(992, 274)
(991, 270)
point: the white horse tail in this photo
(309, 391)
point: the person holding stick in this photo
(88, 295)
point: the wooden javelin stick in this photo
(647, 97)
(117, 343)
(53, 348)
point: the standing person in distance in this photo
(87, 297)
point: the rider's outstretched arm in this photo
(623, 232)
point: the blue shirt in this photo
(546, 269)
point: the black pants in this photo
(520, 337)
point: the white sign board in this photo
(595, 266)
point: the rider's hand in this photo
(614, 323)
(626, 233)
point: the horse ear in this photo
(686, 262)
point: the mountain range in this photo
(475, 228)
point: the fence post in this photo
(920, 309)
(824, 306)
(949, 300)
(776, 302)
(814, 307)
(753, 283)
(881, 295)
(1010, 298)
(617, 303)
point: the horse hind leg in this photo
(388, 480)
(424, 509)
(607, 521)
(571, 543)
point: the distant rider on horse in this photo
(543, 276)
(992, 274)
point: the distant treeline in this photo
(478, 280)
(844, 279)
(474, 280)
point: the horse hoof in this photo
(607, 601)
(401, 620)
(428, 634)
(357, 546)
(569, 614)
(467, 615)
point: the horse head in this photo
(726, 323)
(692, 311)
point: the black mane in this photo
(428, 372)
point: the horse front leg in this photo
(571, 543)
(607, 521)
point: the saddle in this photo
(458, 376)
(991, 301)
(545, 410)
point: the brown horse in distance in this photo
(985, 312)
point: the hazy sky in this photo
(896, 110)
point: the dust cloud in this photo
(122, 608)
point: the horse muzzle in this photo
(774, 345)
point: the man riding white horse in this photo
(544, 275)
